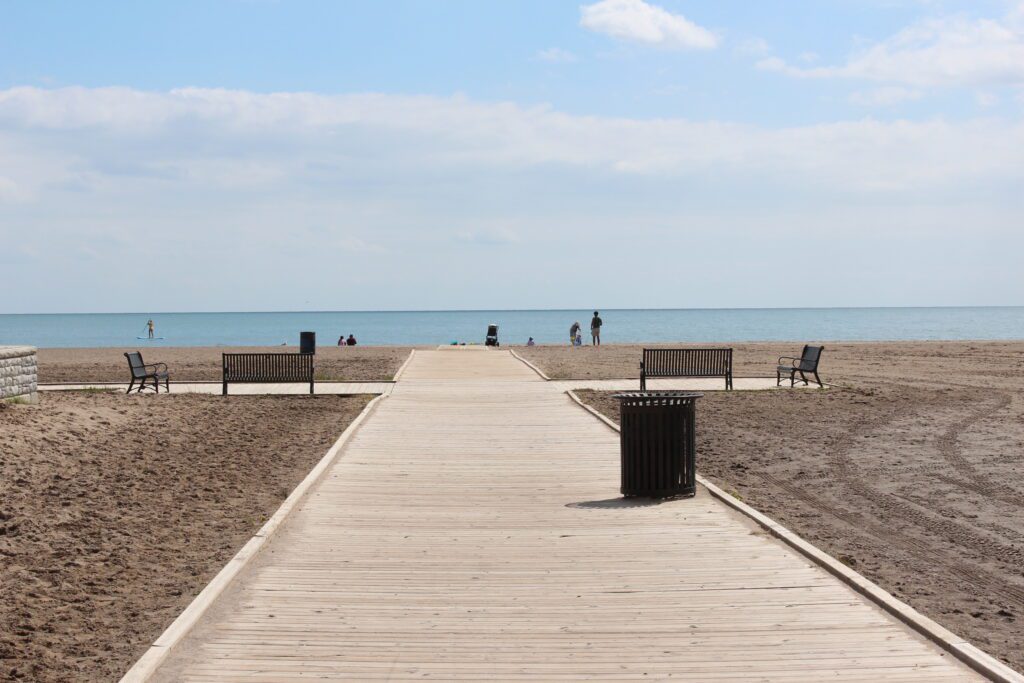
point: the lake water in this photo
(443, 327)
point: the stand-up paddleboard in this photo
(150, 338)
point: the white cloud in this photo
(885, 97)
(103, 139)
(947, 51)
(753, 47)
(986, 99)
(556, 55)
(642, 22)
(387, 201)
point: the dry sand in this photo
(911, 472)
(349, 364)
(116, 510)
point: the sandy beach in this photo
(909, 470)
(203, 363)
(116, 510)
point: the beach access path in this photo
(472, 528)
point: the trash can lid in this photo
(632, 395)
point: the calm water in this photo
(442, 327)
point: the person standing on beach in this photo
(149, 324)
(573, 331)
(595, 330)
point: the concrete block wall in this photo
(19, 375)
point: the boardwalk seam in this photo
(174, 634)
(530, 365)
(974, 657)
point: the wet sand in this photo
(203, 363)
(116, 510)
(911, 471)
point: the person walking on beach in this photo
(573, 331)
(595, 330)
(149, 324)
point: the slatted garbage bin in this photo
(658, 443)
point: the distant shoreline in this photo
(621, 326)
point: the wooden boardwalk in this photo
(472, 529)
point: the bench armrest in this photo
(792, 361)
(155, 365)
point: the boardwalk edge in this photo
(404, 365)
(529, 365)
(157, 653)
(975, 658)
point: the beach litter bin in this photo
(307, 342)
(658, 440)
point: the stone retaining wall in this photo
(18, 373)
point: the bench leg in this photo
(130, 386)
(224, 389)
(818, 380)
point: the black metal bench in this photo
(686, 363)
(260, 368)
(807, 362)
(143, 372)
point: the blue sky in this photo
(617, 153)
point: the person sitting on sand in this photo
(595, 330)
(530, 342)
(351, 340)
(573, 333)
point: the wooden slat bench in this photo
(686, 363)
(261, 368)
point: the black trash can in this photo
(307, 342)
(659, 443)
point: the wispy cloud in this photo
(323, 192)
(243, 140)
(556, 55)
(642, 22)
(945, 51)
(885, 97)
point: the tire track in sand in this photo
(894, 509)
(948, 444)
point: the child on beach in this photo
(574, 333)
